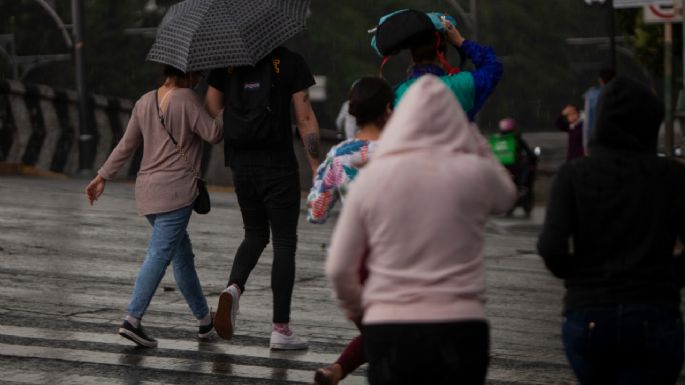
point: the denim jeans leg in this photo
(186, 278)
(167, 232)
(590, 340)
(624, 344)
(652, 345)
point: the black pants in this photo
(269, 199)
(429, 353)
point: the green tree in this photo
(542, 70)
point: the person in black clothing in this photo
(267, 184)
(610, 230)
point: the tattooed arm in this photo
(308, 127)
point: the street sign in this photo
(640, 3)
(662, 14)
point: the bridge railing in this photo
(39, 128)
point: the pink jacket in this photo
(416, 216)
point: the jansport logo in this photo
(251, 86)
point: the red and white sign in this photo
(639, 3)
(655, 13)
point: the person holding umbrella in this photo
(256, 81)
(267, 183)
(166, 188)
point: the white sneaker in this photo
(226, 312)
(280, 341)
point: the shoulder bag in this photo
(202, 204)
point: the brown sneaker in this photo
(329, 375)
(226, 312)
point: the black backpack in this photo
(251, 118)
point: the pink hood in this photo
(415, 216)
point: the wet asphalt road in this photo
(67, 270)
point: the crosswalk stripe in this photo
(149, 362)
(51, 378)
(165, 363)
(217, 346)
(219, 369)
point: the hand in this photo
(453, 34)
(95, 188)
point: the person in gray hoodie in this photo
(610, 230)
(415, 219)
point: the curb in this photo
(8, 169)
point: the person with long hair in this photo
(370, 102)
(165, 189)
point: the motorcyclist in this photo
(515, 154)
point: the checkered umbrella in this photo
(198, 35)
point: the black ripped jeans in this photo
(269, 200)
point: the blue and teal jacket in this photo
(471, 88)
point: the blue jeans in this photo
(169, 243)
(624, 344)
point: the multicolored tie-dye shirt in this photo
(334, 175)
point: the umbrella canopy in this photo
(199, 35)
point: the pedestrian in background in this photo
(165, 190)
(591, 97)
(345, 122)
(370, 104)
(415, 220)
(265, 175)
(570, 121)
(516, 156)
(610, 230)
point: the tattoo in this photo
(305, 97)
(312, 145)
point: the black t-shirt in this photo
(291, 75)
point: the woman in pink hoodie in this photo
(415, 217)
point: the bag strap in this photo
(383, 62)
(441, 56)
(178, 147)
